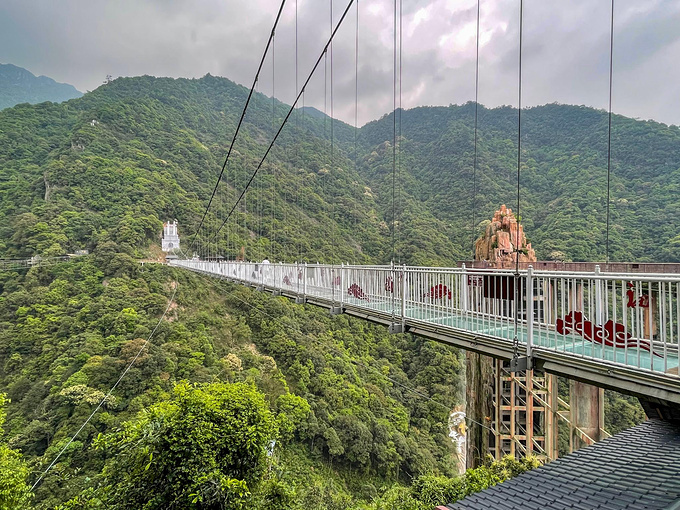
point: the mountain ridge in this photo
(19, 85)
(157, 144)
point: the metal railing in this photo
(15, 264)
(614, 318)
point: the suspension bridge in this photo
(611, 326)
(618, 331)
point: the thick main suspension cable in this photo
(243, 114)
(290, 111)
(474, 169)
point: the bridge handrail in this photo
(612, 319)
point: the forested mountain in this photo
(563, 176)
(136, 151)
(114, 163)
(17, 85)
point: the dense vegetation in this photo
(563, 177)
(17, 85)
(335, 392)
(110, 165)
(349, 417)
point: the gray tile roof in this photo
(638, 469)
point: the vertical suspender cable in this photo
(304, 127)
(394, 156)
(216, 221)
(226, 200)
(259, 208)
(330, 173)
(519, 160)
(330, 164)
(296, 142)
(609, 131)
(474, 165)
(399, 180)
(273, 187)
(519, 132)
(245, 225)
(394, 136)
(325, 133)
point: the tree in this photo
(205, 448)
(14, 491)
(438, 490)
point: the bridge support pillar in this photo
(336, 310)
(586, 414)
(479, 407)
(300, 300)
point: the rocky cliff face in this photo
(500, 240)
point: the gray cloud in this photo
(565, 49)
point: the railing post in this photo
(530, 311)
(341, 286)
(403, 297)
(463, 289)
(334, 310)
(599, 320)
(303, 299)
(394, 327)
(394, 281)
(277, 280)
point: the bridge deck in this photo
(615, 330)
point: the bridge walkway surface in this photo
(614, 330)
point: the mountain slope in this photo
(117, 162)
(67, 332)
(563, 176)
(136, 151)
(17, 85)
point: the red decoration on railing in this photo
(611, 334)
(642, 302)
(287, 281)
(299, 274)
(389, 284)
(336, 280)
(357, 292)
(439, 291)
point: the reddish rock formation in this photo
(497, 245)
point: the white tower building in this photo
(170, 240)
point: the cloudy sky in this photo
(565, 51)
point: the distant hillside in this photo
(17, 85)
(121, 159)
(563, 177)
(115, 163)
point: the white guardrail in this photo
(13, 264)
(621, 319)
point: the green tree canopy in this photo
(204, 448)
(14, 491)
